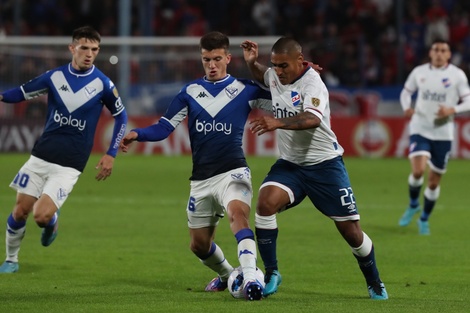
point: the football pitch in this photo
(123, 246)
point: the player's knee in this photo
(267, 206)
(41, 218)
(200, 249)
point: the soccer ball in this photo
(235, 282)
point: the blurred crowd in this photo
(359, 43)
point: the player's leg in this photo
(202, 222)
(440, 153)
(236, 193)
(363, 250)
(329, 189)
(57, 189)
(419, 153)
(271, 200)
(15, 231)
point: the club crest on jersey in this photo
(295, 98)
(446, 82)
(61, 194)
(237, 176)
(90, 91)
(231, 92)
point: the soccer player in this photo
(77, 93)
(217, 107)
(443, 91)
(310, 163)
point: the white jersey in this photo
(307, 94)
(436, 86)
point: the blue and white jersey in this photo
(446, 86)
(306, 94)
(75, 101)
(217, 113)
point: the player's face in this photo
(439, 54)
(215, 63)
(84, 53)
(288, 67)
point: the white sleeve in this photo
(464, 94)
(405, 99)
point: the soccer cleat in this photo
(216, 285)
(9, 267)
(273, 280)
(405, 220)
(49, 233)
(253, 291)
(423, 227)
(377, 291)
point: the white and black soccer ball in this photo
(235, 282)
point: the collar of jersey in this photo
(80, 73)
(217, 81)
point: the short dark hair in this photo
(286, 45)
(87, 32)
(214, 40)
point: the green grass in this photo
(123, 246)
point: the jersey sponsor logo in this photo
(202, 94)
(69, 121)
(208, 127)
(281, 112)
(433, 96)
(295, 98)
(231, 92)
(118, 104)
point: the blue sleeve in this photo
(14, 95)
(120, 124)
(155, 132)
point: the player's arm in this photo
(106, 163)
(463, 106)
(14, 95)
(405, 101)
(303, 120)
(250, 54)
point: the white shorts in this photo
(38, 177)
(209, 198)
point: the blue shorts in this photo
(438, 151)
(326, 185)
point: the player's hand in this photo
(127, 140)
(445, 111)
(409, 112)
(316, 67)
(105, 167)
(250, 51)
(264, 124)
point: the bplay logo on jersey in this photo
(207, 127)
(68, 120)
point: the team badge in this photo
(90, 91)
(231, 92)
(115, 92)
(295, 98)
(446, 82)
(61, 194)
(315, 102)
